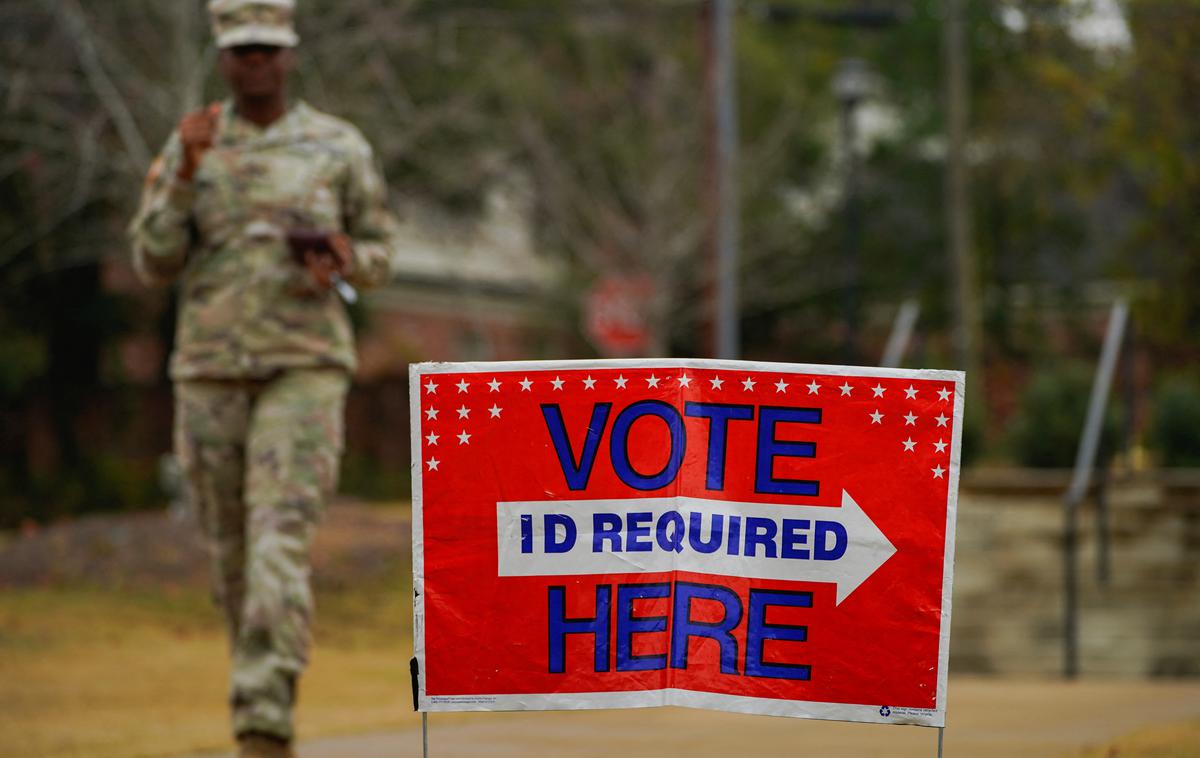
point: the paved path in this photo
(987, 718)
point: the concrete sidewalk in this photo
(987, 718)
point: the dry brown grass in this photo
(134, 669)
(1178, 740)
(118, 655)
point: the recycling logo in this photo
(885, 711)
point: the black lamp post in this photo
(851, 85)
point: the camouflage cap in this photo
(253, 22)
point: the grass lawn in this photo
(110, 647)
(1179, 740)
(138, 667)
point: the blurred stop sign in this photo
(616, 315)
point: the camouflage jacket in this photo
(246, 309)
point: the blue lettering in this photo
(606, 526)
(714, 537)
(619, 444)
(629, 625)
(576, 474)
(553, 544)
(526, 533)
(735, 535)
(684, 627)
(681, 627)
(758, 631)
(674, 539)
(794, 536)
(770, 448)
(718, 416)
(560, 626)
(821, 548)
(637, 532)
(760, 531)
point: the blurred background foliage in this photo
(1083, 156)
(1044, 432)
(1176, 426)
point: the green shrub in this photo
(974, 441)
(1175, 431)
(1046, 429)
(369, 478)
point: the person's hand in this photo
(197, 131)
(343, 249)
(325, 265)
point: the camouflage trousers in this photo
(260, 458)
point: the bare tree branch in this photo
(76, 25)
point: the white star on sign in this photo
(781, 386)
(909, 444)
(558, 383)
(940, 445)
(941, 419)
(876, 417)
(937, 472)
(432, 463)
(464, 438)
(495, 410)
(652, 381)
(589, 383)
(845, 388)
(621, 381)
(431, 387)
(525, 384)
(495, 385)
(464, 411)
(716, 382)
(910, 419)
(943, 394)
(911, 392)
(685, 380)
(431, 413)
(878, 389)
(432, 438)
(462, 386)
(813, 387)
(749, 384)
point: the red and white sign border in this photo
(866, 713)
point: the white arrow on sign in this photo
(639, 535)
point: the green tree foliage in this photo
(1048, 424)
(1175, 432)
(1156, 134)
(1083, 162)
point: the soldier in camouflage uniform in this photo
(263, 348)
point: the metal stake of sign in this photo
(1085, 461)
(941, 733)
(414, 673)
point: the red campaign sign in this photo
(754, 537)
